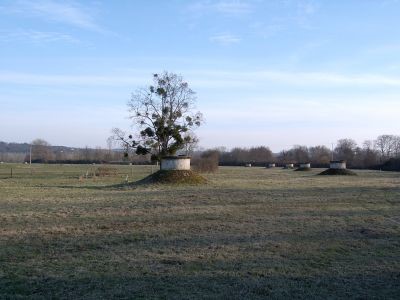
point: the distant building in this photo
(337, 164)
(175, 163)
(305, 165)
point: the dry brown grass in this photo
(106, 171)
(250, 233)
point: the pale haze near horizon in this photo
(274, 73)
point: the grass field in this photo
(249, 233)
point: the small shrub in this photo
(392, 164)
(207, 162)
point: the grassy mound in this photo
(337, 172)
(303, 169)
(173, 177)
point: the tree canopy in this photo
(163, 116)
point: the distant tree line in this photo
(40, 151)
(238, 156)
(383, 152)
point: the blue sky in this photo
(275, 73)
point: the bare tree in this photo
(13, 157)
(260, 154)
(191, 143)
(41, 151)
(386, 145)
(300, 153)
(319, 155)
(238, 155)
(285, 157)
(346, 150)
(98, 154)
(369, 155)
(60, 155)
(396, 146)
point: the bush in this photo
(207, 162)
(392, 164)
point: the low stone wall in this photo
(175, 163)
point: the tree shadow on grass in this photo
(203, 285)
(117, 186)
(160, 178)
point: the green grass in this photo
(250, 233)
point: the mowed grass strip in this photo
(248, 233)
